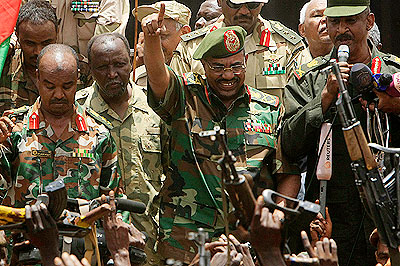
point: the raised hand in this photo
(154, 23)
(6, 126)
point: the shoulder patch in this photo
(313, 64)
(99, 118)
(263, 97)
(17, 112)
(391, 58)
(288, 34)
(195, 34)
(191, 78)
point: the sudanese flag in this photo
(8, 18)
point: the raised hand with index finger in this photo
(153, 24)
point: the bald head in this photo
(58, 57)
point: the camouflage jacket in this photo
(137, 136)
(271, 53)
(17, 90)
(85, 156)
(191, 195)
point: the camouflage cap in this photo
(173, 10)
(345, 8)
(248, 1)
(222, 42)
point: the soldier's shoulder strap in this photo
(98, 118)
(288, 34)
(263, 97)
(191, 78)
(195, 34)
(18, 111)
(391, 59)
(310, 66)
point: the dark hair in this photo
(57, 48)
(37, 12)
(107, 36)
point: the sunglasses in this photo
(251, 5)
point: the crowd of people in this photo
(240, 99)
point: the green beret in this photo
(345, 8)
(222, 42)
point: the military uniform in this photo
(300, 137)
(84, 156)
(137, 136)
(191, 195)
(271, 52)
(78, 23)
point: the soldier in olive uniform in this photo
(271, 48)
(56, 138)
(310, 100)
(135, 127)
(191, 196)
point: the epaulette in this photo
(17, 112)
(191, 78)
(313, 64)
(99, 118)
(263, 97)
(195, 34)
(288, 34)
(391, 58)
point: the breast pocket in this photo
(203, 146)
(258, 146)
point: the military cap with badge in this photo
(345, 8)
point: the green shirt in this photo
(191, 195)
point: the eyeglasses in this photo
(219, 70)
(251, 5)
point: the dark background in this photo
(287, 12)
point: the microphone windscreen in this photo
(343, 53)
(130, 205)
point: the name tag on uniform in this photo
(41, 154)
(82, 153)
(252, 125)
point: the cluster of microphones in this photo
(364, 80)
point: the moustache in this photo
(242, 16)
(235, 79)
(112, 82)
(57, 101)
(344, 37)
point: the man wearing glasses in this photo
(191, 196)
(271, 48)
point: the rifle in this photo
(237, 185)
(368, 176)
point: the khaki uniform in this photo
(76, 28)
(137, 136)
(271, 51)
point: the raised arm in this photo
(157, 72)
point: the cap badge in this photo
(231, 41)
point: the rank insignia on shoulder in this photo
(41, 153)
(274, 69)
(195, 34)
(299, 73)
(191, 79)
(252, 125)
(312, 63)
(82, 153)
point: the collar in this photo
(37, 121)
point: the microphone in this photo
(121, 204)
(343, 53)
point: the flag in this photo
(8, 18)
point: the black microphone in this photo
(343, 53)
(121, 204)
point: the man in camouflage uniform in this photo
(271, 48)
(56, 139)
(135, 127)
(191, 196)
(310, 100)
